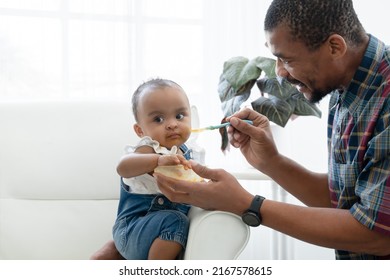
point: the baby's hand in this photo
(173, 160)
(184, 162)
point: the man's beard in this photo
(317, 95)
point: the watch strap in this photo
(256, 204)
(252, 215)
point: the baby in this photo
(148, 225)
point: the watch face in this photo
(251, 219)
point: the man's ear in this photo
(337, 45)
(138, 130)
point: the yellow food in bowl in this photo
(178, 172)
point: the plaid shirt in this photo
(359, 144)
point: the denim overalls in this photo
(144, 217)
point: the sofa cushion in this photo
(66, 150)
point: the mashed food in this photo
(178, 172)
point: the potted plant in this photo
(277, 99)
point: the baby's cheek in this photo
(187, 132)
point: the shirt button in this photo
(160, 201)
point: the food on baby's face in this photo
(178, 172)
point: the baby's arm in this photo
(145, 160)
(139, 162)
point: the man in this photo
(321, 48)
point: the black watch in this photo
(252, 215)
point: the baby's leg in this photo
(172, 227)
(164, 250)
(107, 252)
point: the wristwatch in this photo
(252, 215)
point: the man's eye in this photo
(283, 61)
(179, 116)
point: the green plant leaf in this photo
(231, 99)
(275, 109)
(227, 91)
(279, 98)
(277, 87)
(239, 71)
(302, 107)
(233, 105)
(267, 65)
(224, 136)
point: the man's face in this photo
(310, 71)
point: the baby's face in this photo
(164, 115)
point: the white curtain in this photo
(102, 49)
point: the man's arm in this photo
(327, 227)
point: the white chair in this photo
(59, 188)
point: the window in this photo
(96, 49)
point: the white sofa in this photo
(59, 188)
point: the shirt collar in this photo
(364, 75)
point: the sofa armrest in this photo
(215, 235)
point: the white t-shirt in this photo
(146, 184)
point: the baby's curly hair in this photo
(313, 21)
(155, 83)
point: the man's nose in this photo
(280, 70)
